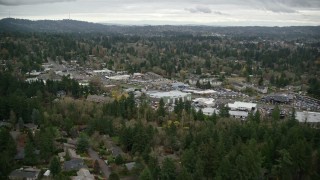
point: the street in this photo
(103, 166)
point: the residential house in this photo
(25, 174)
(83, 174)
(74, 164)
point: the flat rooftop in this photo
(172, 94)
(238, 104)
(307, 116)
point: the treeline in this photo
(18, 98)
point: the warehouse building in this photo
(169, 96)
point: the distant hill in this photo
(73, 26)
(23, 25)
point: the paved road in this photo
(103, 166)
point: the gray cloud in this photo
(220, 13)
(29, 2)
(199, 9)
(251, 12)
(278, 7)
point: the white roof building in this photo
(209, 111)
(307, 116)
(242, 106)
(170, 96)
(206, 102)
(239, 114)
(118, 77)
(201, 92)
(103, 71)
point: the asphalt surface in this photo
(103, 166)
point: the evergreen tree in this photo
(224, 112)
(145, 174)
(161, 110)
(46, 143)
(82, 143)
(114, 176)
(168, 170)
(30, 156)
(276, 113)
(184, 175)
(55, 166)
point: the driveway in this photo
(103, 166)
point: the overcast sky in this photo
(205, 12)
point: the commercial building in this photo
(119, 77)
(278, 98)
(241, 109)
(203, 102)
(170, 96)
(242, 106)
(307, 116)
(209, 111)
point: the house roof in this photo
(21, 154)
(74, 164)
(21, 173)
(130, 165)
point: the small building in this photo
(61, 93)
(32, 127)
(239, 86)
(209, 111)
(213, 81)
(116, 151)
(170, 96)
(203, 102)
(83, 174)
(261, 89)
(74, 164)
(179, 86)
(5, 124)
(25, 174)
(46, 174)
(130, 165)
(31, 80)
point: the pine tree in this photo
(82, 143)
(30, 156)
(145, 174)
(55, 166)
(168, 170)
(161, 110)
